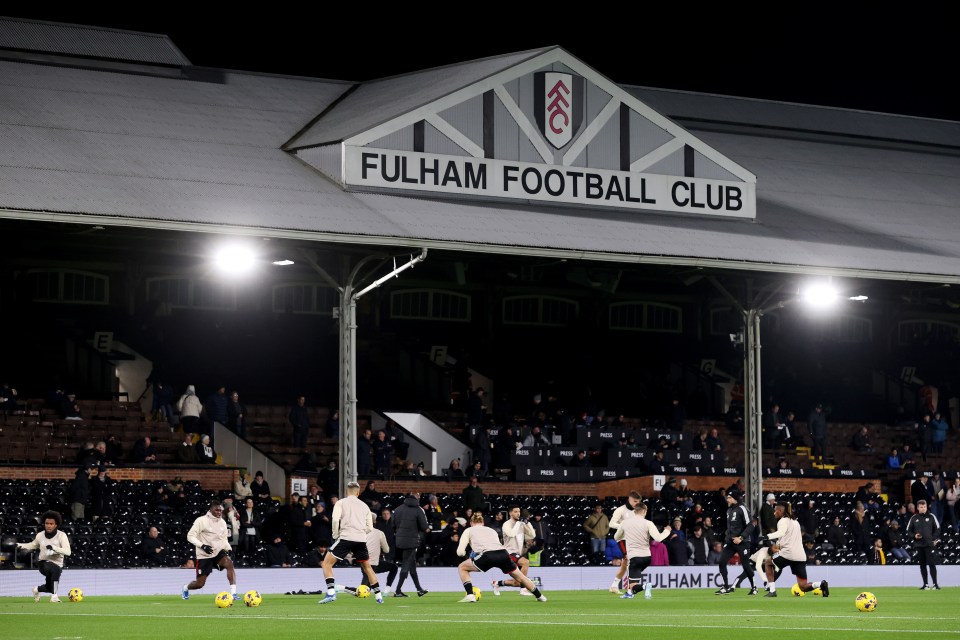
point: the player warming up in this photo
(54, 546)
(517, 534)
(788, 551)
(352, 521)
(620, 514)
(209, 535)
(487, 553)
(637, 532)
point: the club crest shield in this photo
(559, 100)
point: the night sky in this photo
(896, 63)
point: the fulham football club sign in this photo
(559, 106)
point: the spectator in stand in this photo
(597, 525)
(860, 441)
(668, 496)
(70, 408)
(299, 419)
(103, 496)
(232, 517)
(809, 518)
(114, 450)
(860, 529)
(476, 471)
(580, 460)
(187, 451)
(935, 504)
(454, 470)
(143, 451)
(677, 549)
(481, 447)
(278, 555)
(894, 541)
(79, 492)
(329, 479)
(385, 524)
(716, 552)
(236, 415)
(700, 442)
(836, 535)
(698, 547)
(216, 406)
(189, 406)
(793, 436)
(893, 460)
(713, 441)
(396, 437)
(473, 496)
(906, 458)
(333, 425)
(205, 452)
(817, 426)
(162, 406)
(920, 490)
(298, 515)
(152, 549)
(371, 496)
(382, 455)
(938, 434)
(364, 452)
(8, 398)
(250, 520)
(241, 487)
(951, 492)
(477, 408)
(536, 438)
(774, 428)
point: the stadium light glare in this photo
(821, 295)
(283, 263)
(235, 260)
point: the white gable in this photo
(546, 129)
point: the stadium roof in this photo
(838, 191)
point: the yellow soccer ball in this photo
(224, 599)
(477, 593)
(866, 602)
(795, 590)
(75, 595)
(363, 591)
(817, 592)
(252, 598)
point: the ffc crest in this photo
(559, 106)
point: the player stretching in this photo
(376, 548)
(352, 521)
(54, 546)
(637, 532)
(620, 514)
(487, 554)
(517, 534)
(789, 552)
(209, 535)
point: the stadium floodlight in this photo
(821, 295)
(235, 260)
(283, 263)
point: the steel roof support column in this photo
(753, 411)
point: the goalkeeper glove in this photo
(206, 548)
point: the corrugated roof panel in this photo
(801, 117)
(381, 100)
(89, 42)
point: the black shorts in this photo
(499, 559)
(638, 565)
(798, 567)
(516, 558)
(206, 566)
(342, 547)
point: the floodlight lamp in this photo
(283, 263)
(820, 295)
(235, 260)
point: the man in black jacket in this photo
(924, 530)
(409, 521)
(736, 541)
(79, 492)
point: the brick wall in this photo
(211, 479)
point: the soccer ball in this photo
(817, 592)
(363, 591)
(795, 590)
(477, 593)
(224, 599)
(866, 601)
(252, 598)
(75, 595)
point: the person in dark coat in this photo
(364, 447)
(236, 415)
(299, 419)
(409, 521)
(79, 492)
(382, 454)
(102, 494)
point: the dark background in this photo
(856, 56)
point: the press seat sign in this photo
(409, 170)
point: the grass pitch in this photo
(688, 613)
